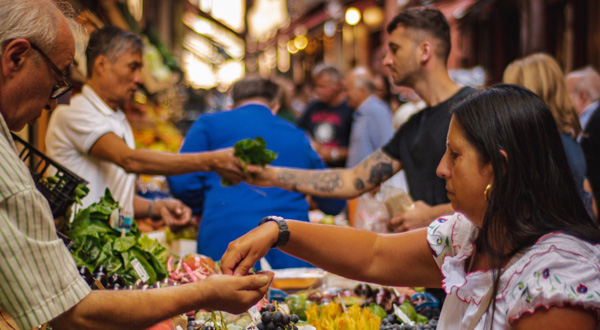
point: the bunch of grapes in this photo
(391, 322)
(272, 319)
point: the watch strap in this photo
(284, 233)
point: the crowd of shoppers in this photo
(503, 179)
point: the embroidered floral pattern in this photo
(547, 283)
(440, 245)
(559, 269)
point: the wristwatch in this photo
(335, 154)
(284, 233)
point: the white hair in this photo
(586, 79)
(35, 20)
(363, 78)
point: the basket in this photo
(61, 194)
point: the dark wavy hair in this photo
(533, 192)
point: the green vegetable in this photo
(253, 152)
(377, 310)
(409, 310)
(96, 243)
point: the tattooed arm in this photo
(338, 183)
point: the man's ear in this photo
(100, 64)
(14, 56)
(585, 96)
(275, 106)
(425, 52)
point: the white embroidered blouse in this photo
(557, 270)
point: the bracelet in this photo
(284, 233)
(153, 218)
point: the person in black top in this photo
(419, 45)
(328, 120)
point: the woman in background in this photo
(541, 74)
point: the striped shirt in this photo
(38, 276)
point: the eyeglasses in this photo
(63, 85)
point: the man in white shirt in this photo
(93, 138)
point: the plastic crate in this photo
(60, 195)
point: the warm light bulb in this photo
(300, 42)
(352, 16)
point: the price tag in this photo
(121, 220)
(139, 269)
(254, 314)
(401, 315)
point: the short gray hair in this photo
(586, 79)
(363, 78)
(111, 42)
(36, 21)
(332, 72)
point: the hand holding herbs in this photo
(252, 152)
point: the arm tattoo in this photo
(375, 169)
(380, 172)
(322, 181)
(359, 184)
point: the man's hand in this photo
(244, 252)
(234, 294)
(262, 176)
(418, 217)
(174, 213)
(227, 166)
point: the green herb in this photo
(252, 152)
(96, 243)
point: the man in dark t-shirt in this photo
(329, 119)
(419, 45)
(420, 144)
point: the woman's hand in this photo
(244, 252)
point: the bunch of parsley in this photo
(252, 152)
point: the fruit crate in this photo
(61, 194)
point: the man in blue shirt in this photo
(372, 124)
(229, 212)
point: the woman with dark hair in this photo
(520, 252)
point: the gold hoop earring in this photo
(486, 192)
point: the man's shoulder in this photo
(374, 104)
(77, 105)
(595, 117)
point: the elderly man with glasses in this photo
(39, 281)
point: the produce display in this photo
(253, 152)
(271, 318)
(132, 256)
(112, 258)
